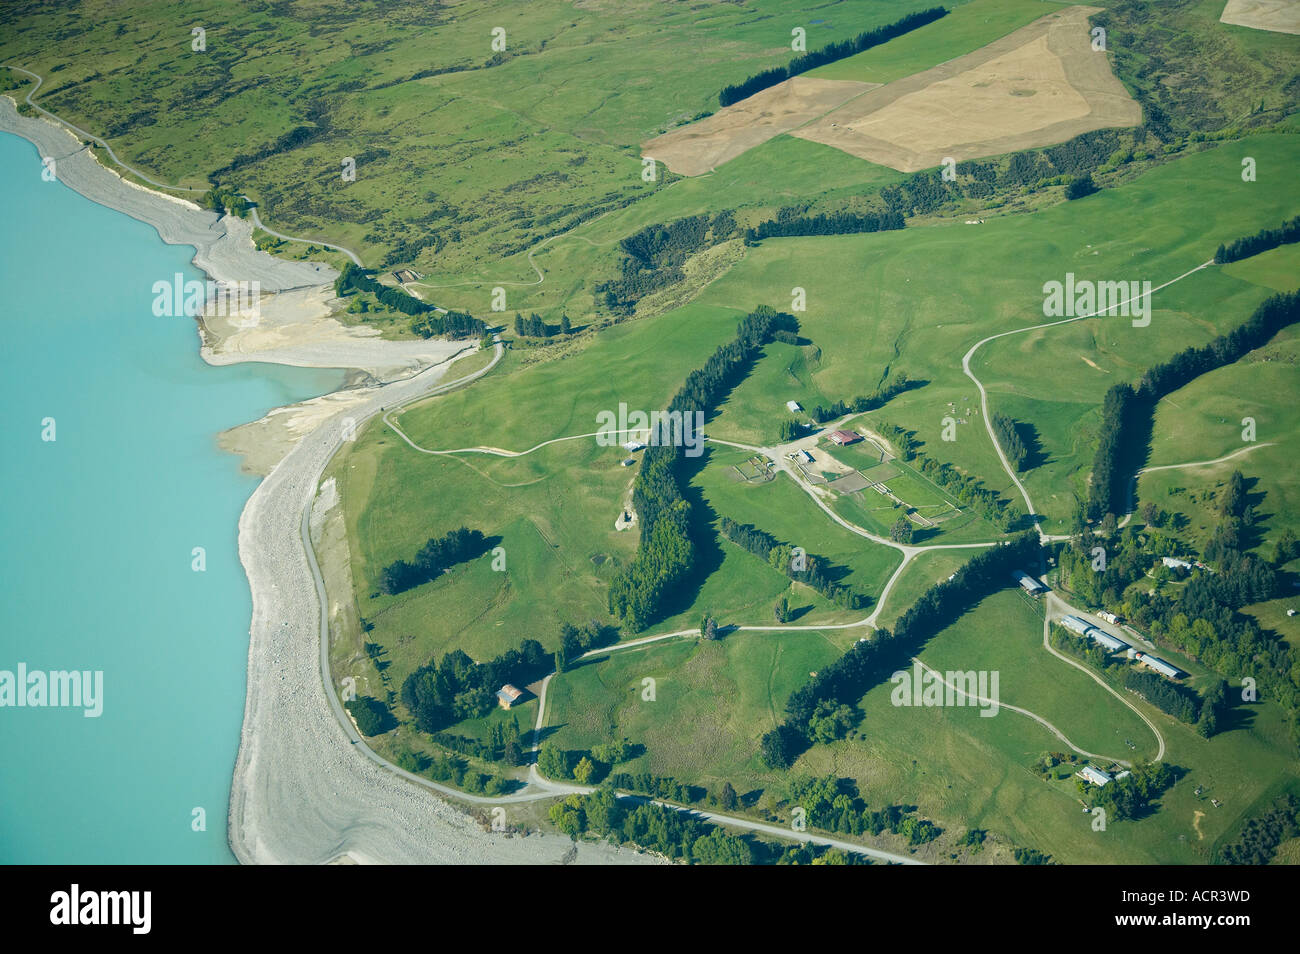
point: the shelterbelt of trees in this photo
(1127, 412)
(425, 320)
(788, 222)
(828, 54)
(846, 680)
(1009, 437)
(817, 571)
(1261, 241)
(437, 554)
(666, 553)
(894, 385)
(1203, 621)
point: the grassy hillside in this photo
(465, 154)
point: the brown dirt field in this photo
(1040, 85)
(1278, 16)
(702, 146)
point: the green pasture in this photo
(920, 298)
(966, 28)
(1204, 422)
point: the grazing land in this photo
(535, 603)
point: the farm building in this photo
(1095, 776)
(1031, 586)
(1076, 625)
(793, 407)
(633, 446)
(805, 457)
(1110, 617)
(629, 461)
(508, 695)
(1175, 564)
(844, 438)
(1159, 665)
(1107, 640)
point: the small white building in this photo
(1175, 564)
(805, 457)
(1094, 776)
(1107, 640)
(1030, 585)
(793, 407)
(633, 446)
(1159, 665)
(1076, 625)
(508, 695)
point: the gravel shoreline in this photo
(301, 794)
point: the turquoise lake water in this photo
(98, 527)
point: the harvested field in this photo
(1278, 16)
(702, 146)
(1040, 85)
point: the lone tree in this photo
(901, 531)
(782, 610)
(1080, 186)
(709, 627)
(727, 797)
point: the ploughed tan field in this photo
(1040, 85)
(702, 146)
(1279, 16)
